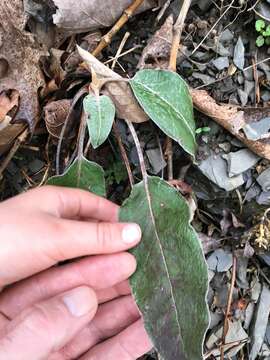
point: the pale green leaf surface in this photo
(100, 112)
(82, 174)
(165, 98)
(171, 281)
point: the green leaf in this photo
(82, 174)
(259, 25)
(165, 98)
(260, 41)
(266, 33)
(101, 112)
(171, 281)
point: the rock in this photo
(239, 54)
(264, 180)
(215, 169)
(240, 161)
(221, 62)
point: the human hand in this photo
(80, 310)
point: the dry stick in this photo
(121, 46)
(107, 38)
(212, 28)
(228, 309)
(123, 154)
(20, 139)
(177, 32)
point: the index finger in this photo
(68, 203)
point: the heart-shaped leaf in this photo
(171, 281)
(165, 98)
(82, 174)
(100, 112)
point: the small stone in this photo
(221, 62)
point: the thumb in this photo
(49, 325)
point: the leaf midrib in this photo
(148, 197)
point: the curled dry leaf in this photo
(55, 116)
(119, 91)
(234, 119)
(82, 16)
(21, 54)
(157, 52)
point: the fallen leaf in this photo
(119, 91)
(56, 113)
(83, 16)
(82, 174)
(100, 113)
(234, 119)
(169, 288)
(165, 98)
(22, 54)
(157, 52)
(9, 103)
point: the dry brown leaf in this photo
(9, 103)
(127, 106)
(56, 113)
(22, 53)
(234, 119)
(157, 52)
(82, 16)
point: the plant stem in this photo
(177, 32)
(228, 309)
(123, 154)
(107, 38)
(139, 151)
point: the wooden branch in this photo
(107, 38)
(177, 32)
(232, 119)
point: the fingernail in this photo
(131, 234)
(79, 302)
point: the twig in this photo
(20, 139)
(228, 309)
(107, 38)
(121, 46)
(212, 28)
(123, 154)
(123, 54)
(177, 32)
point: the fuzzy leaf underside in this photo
(165, 98)
(100, 112)
(82, 174)
(171, 281)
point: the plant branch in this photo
(228, 309)
(177, 32)
(107, 38)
